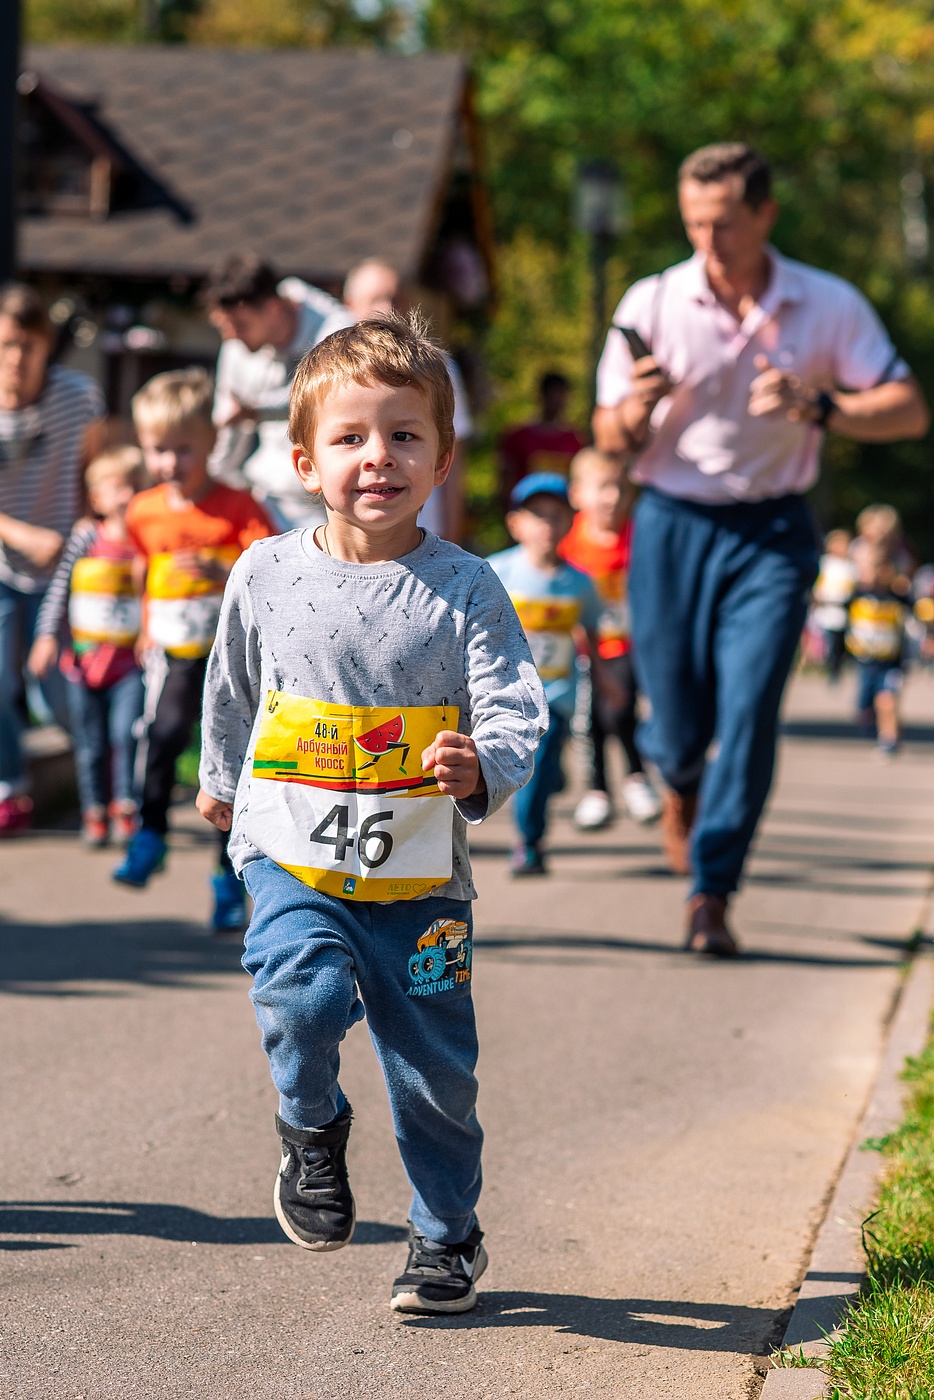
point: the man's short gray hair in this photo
(712, 164)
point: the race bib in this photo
(102, 606)
(614, 622)
(549, 624)
(338, 797)
(876, 629)
(181, 608)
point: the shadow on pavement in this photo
(840, 729)
(167, 1222)
(156, 952)
(536, 943)
(641, 1321)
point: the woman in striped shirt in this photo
(50, 425)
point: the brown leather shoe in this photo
(678, 813)
(707, 930)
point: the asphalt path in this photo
(662, 1133)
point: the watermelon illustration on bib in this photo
(338, 797)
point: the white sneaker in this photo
(641, 799)
(593, 811)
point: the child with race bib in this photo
(91, 614)
(189, 530)
(558, 607)
(876, 637)
(370, 693)
(599, 544)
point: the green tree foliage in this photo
(236, 23)
(836, 94)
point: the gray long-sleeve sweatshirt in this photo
(435, 627)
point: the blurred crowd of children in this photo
(872, 606)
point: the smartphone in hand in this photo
(637, 346)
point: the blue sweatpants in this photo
(719, 596)
(319, 964)
(530, 803)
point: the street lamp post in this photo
(601, 214)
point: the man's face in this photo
(255, 323)
(23, 359)
(722, 226)
(372, 291)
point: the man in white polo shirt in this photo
(752, 357)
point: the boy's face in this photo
(110, 497)
(178, 455)
(23, 359)
(539, 525)
(603, 496)
(376, 456)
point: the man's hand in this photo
(42, 655)
(456, 763)
(240, 414)
(219, 814)
(777, 391)
(650, 383)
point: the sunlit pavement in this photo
(661, 1132)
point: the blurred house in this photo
(140, 166)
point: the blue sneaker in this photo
(229, 914)
(145, 856)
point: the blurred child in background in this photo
(876, 637)
(598, 543)
(832, 593)
(190, 531)
(556, 604)
(92, 606)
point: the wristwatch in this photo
(824, 405)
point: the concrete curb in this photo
(837, 1265)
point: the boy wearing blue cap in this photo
(558, 608)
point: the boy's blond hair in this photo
(179, 396)
(387, 350)
(124, 463)
(589, 458)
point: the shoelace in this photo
(318, 1176)
(432, 1258)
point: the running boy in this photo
(832, 593)
(369, 693)
(92, 601)
(556, 604)
(598, 543)
(189, 530)
(876, 637)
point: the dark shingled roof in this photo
(314, 158)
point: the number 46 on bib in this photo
(338, 797)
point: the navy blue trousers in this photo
(719, 596)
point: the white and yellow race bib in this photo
(102, 606)
(181, 608)
(549, 625)
(876, 629)
(338, 797)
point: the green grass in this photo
(886, 1349)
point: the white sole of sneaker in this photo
(414, 1303)
(319, 1246)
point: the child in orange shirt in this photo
(599, 544)
(190, 531)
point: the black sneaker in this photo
(312, 1195)
(439, 1278)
